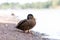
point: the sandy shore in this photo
(11, 19)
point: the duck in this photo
(27, 24)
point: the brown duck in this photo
(26, 24)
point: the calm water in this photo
(48, 20)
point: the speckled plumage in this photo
(26, 24)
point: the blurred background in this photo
(46, 12)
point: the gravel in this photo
(9, 32)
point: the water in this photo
(48, 20)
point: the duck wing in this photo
(20, 24)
